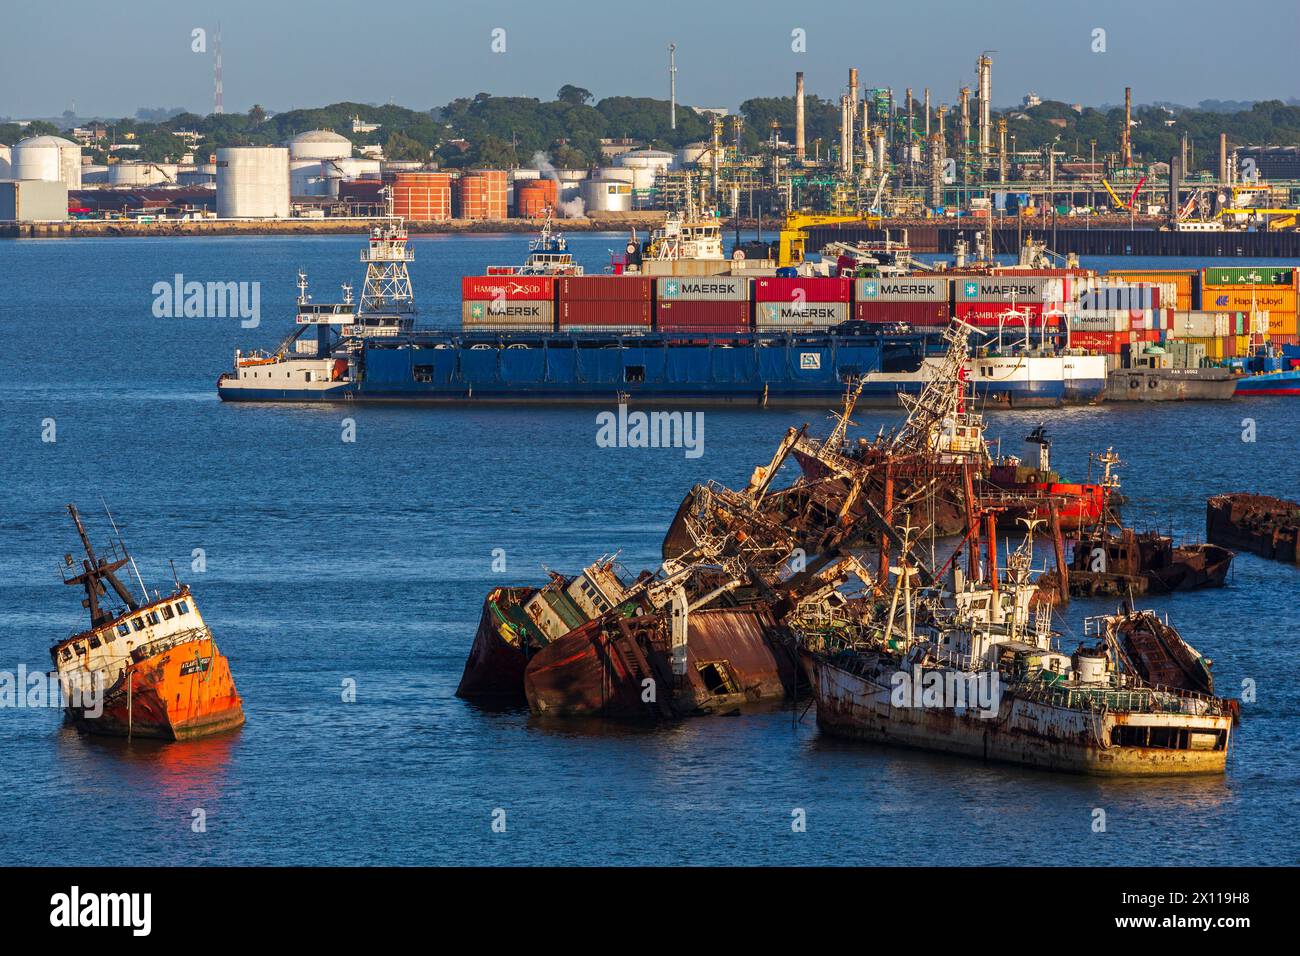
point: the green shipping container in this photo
(1249, 275)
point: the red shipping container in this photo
(987, 315)
(509, 287)
(588, 313)
(689, 316)
(818, 289)
(1108, 343)
(913, 313)
(624, 288)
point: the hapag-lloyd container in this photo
(800, 315)
(718, 316)
(606, 315)
(508, 314)
(535, 288)
(622, 288)
(702, 289)
(1248, 299)
(816, 289)
(903, 289)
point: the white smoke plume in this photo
(574, 208)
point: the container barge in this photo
(636, 339)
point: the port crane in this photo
(792, 241)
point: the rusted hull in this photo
(622, 668)
(183, 694)
(1025, 732)
(1269, 527)
(495, 666)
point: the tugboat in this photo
(1033, 479)
(145, 668)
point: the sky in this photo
(112, 58)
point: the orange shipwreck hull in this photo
(179, 694)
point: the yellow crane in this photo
(793, 239)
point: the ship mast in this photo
(95, 571)
(387, 299)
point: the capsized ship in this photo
(371, 350)
(145, 667)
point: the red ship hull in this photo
(183, 693)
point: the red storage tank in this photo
(815, 289)
(482, 194)
(422, 197)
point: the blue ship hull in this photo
(800, 370)
(1270, 383)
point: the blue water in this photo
(329, 561)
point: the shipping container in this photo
(918, 314)
(1107, 343)
(810, 290)
(1114, 320)
(1184, 282)
(985, 315)
(1132, 296)
(623, 288)
(508, 287)
(1249, 275)
(694, 316)
(906, 289)
(607, 315)
(1007, 289)
(702, 288)
(513, 315)
(1248, 299)
(805, 315)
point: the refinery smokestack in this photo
(964, 121)
(927, 112)
(1002, 150)
(1223, 157)
(798, 119)
(985, 92)
(1126, 143)
(866, 138)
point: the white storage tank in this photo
(306, 178)
(6, 162)
(335, 171)
(606, 195)
(646, 164)
(319, 144)
(40, 157)
(141, 174)
(252, 182)
(692, 154)
(617, 173)
(92, 175)
(570, 181)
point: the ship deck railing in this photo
(1151, 699)
(158, 646)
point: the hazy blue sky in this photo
(111, 57)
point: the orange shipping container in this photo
(1248, 299)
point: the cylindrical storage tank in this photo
(252, 182)
(483, 194)
(69, 162)
(306, 178)
(319, 144)
(139, 174)
(401, 165)
(422, 196)
(530, 174)
(606, 195)
(91, 175)
(533, 199)
(570, 180)
(646, 164)
(616, 173)
(1090, 667)
(6, 162)
(691, 154)
(38, 157)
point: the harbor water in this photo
(344, 578)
